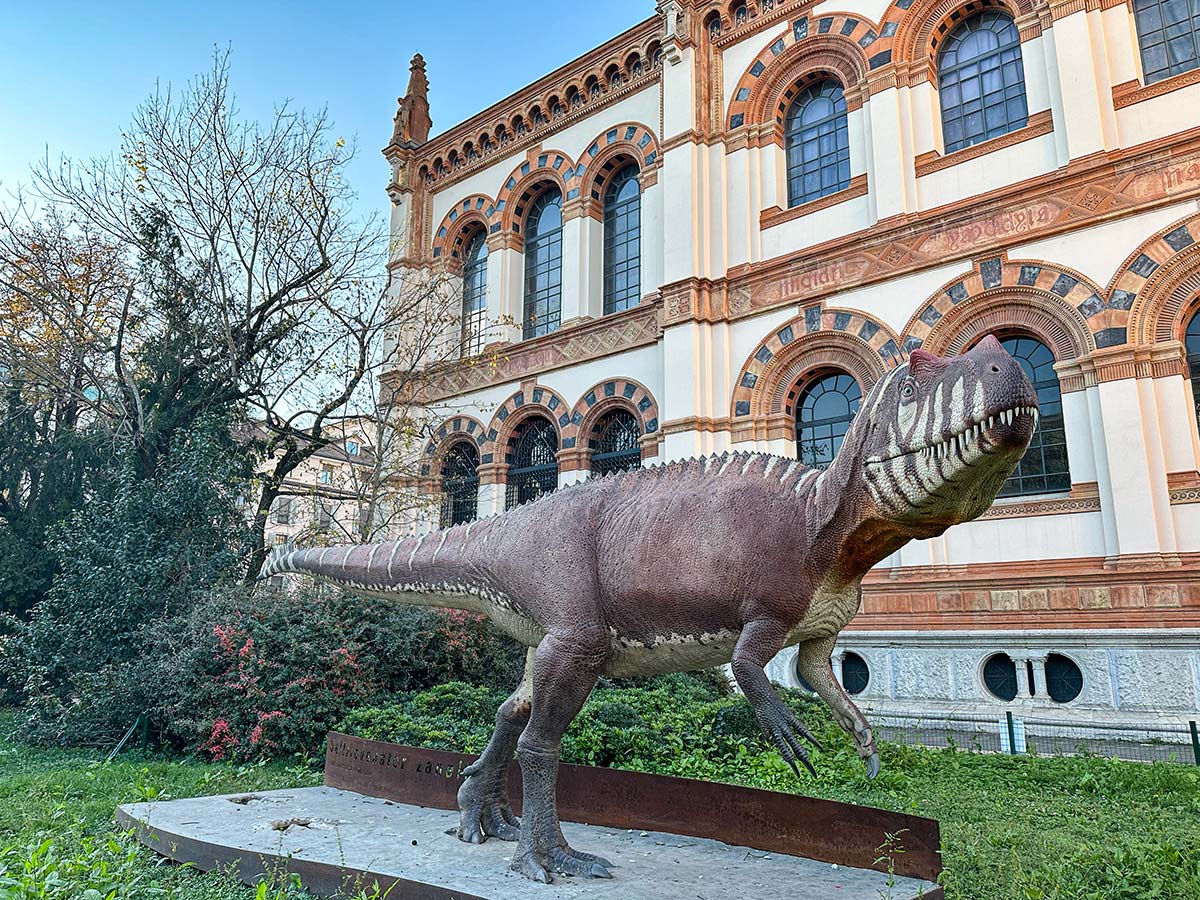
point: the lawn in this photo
(1024, 828)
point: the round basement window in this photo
(856, 675)
(1000, 676)
(1064, 680)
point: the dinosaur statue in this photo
(687, 565)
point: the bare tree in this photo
(247, 281)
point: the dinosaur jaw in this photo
(953, 478)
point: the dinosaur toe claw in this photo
(872, 763)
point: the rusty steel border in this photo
(249, 866)
(824, 830)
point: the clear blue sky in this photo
(72, 72)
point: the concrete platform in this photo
(331, 838)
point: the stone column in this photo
(505, 284)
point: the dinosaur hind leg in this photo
(483, 798)
(812, 660)
(565, 671)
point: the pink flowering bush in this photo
(265, 674)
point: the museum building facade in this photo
(718, 230)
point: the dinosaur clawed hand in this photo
(780, 724)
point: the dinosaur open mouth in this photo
(1003, 421)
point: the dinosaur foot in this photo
(538, 864)
(484, 811)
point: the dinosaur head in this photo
(941, 434)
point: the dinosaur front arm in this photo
(759, 642)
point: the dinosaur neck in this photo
(849, 517)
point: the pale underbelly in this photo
(677, 653)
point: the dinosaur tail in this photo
(430, 570)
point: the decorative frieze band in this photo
(1119, 363)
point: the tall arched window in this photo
(543, 264)
(622, 241)
(981, 80)
(1169, 37)
(1191, 341)
(1044, 468)
(460, 484)
(616, 446)
(818, 143)
(825, 409)
(533, 464)
(474, 310)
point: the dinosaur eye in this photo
(907, 390)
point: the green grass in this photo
(1020, 828)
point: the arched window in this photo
(981, 80)
(460, 484)
(474, 309)
(825, 410)
(818, 143)
(1191, 341)
(1044, 468)
(533, 465)
(543, 264)
(1169, 37)
(615, 446)
(622, 241)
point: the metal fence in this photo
(1175, 742)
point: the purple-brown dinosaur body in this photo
(725, 559)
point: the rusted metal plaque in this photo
(824, 830)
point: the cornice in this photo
(733, 33)
(1133, 91)
(1122, 362)
(773, 216)
(1039, 124)
(642, 38)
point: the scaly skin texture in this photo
(725, 559)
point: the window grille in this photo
(825, 410)
(981, 81)
(543, 265)
(1044, 468)
(622, 241)
(474, 308)
(460, 484)
(616, 446)
(533, 464)
(1168, 36)
(817, 138)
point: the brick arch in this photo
(540, 167)
(919, 27)
(457, 428)
(819, 338)
(1159, 282)
(629, 139)
(475, 211)
(534, 399)
(1048, 301)
(615, 393)
(829, 45)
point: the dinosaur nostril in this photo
(995, 369)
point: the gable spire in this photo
(412, 122)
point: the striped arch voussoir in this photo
(920, 27)
(602, 157)
(529, 401)
(1058, 305)
(836, 44)
(838, 338)
(523, 184)
(1159, 283)
(449, 241)
(453, 430)
(615, 393)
